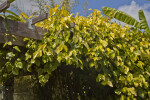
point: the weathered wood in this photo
(39, 18)
(18, 40)
(4, 6)
(20, 29)
(8, 89)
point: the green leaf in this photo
(143, 21)
(7, 43)
(10, 12)
(110, 83)
(86, 45)
(15, 71)
(104, 43)
(19, 65)
(59, 48)
(17, 48)
(11, 1)
(132, 90)
(141, 93)
(37, 62)
(65, 48)
(27, 56)
(37, 53)
(140, 64)
(118, 91)
(13, 17)
(10, 55)
(121, 16)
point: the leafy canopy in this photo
(121, 55)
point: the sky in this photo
(130, 7)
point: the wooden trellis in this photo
(19, 30)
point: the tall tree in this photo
(85, 8)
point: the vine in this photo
(119, 54)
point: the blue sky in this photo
(129, 6)
(124, 5)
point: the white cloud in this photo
(133, 9)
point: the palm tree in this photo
(121, 16)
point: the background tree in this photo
(121, 16)
(85, 8)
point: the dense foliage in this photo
(119, 54)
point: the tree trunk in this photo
(8, 89)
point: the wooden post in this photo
(8, 89)
(4, 6)
(39, 18)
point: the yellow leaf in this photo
(108, 49)
(59, 49)
(119, 45)
(147, 51)
(104, 43)
(133, 91)
(132, 49)
(112, 55)
(100, 47)
(24, 15)
(86, 45)
(112, 35)
(30, 16)
(119, 58)
(122, 35)
(77, 28)
(65, 48)
(47, 6)
(110, 83)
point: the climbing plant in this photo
(119, 55)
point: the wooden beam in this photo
(40, 18)
(4, 6)
(18, 40)
(19, 29)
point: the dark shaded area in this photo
(70, 83)
(8, 89)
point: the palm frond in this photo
(121, 16)
(143, 21)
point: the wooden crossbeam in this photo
(40, 18)
(4, 6)
(18, 40)
(20, 30)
